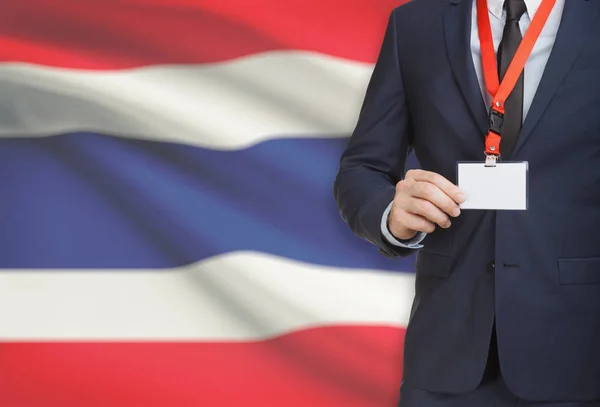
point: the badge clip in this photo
(490, 160)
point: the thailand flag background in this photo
(168, 233)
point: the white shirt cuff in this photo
(413, 243)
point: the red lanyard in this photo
(501, 91)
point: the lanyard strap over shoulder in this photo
(501, 91)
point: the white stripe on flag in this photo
(228, 105)
(237, 296)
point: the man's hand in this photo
(423, 200)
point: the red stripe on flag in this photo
(332, 366)
(115, 34)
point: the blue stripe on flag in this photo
(93, 201)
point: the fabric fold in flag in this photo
(169, 235)
(91, 201)
(238, 296)
(225, 106)
(120, 34)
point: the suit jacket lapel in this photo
(457, 33)
(577, 20)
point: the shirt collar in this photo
(496, 7)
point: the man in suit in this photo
(507, 303)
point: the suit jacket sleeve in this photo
(374, 159)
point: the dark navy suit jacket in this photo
(545, 289)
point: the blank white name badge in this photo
(501, 187)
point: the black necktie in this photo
(513, 107)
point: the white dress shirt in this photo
(534, 68)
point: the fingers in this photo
(425, 199)
(404, 225)
(429, 211)
(439, 181)
(417, 223)
(434, 198)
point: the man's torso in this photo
(544, 290)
